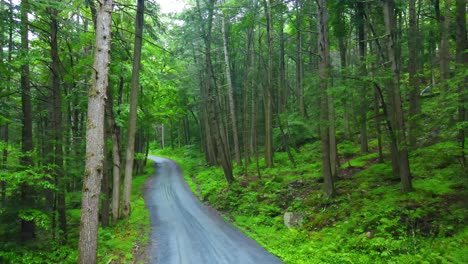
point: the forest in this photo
(329, 131)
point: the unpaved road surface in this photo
(184, 231)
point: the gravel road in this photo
(187, 232)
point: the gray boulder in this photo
(293, 219)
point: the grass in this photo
(368, 221)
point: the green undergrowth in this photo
(122, 243)
(369, 220)
(126, 241)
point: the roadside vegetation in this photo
(124, 242)
(369, 220)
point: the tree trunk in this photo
(267, 94)
(363, 72)
(333, 144)
(232, 108)
(444, 52)
(28, 228)
(324, 65)
(87, 248)
(116, 164)
(56, 120)
(126, 210)
(462, 61)
(414, 97)
(249, 58)
(299, 63)
(399, 149)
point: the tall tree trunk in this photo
(268, 94)
(444, 52)
(56, 120)
(232, 105)
(414, 97)
(249, 58)
(299, 63)
(363, 72)
(332, 131)
(399, 149)
(126, 210)
(87, 248)
(6, 130)
(116, 164)
(324, 67)
(28, 228)
(462, 61)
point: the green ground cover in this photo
(122, 243)
(369, 220)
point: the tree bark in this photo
(462, 61)
(414, 97)
(56, 120)
(267, 94)
(28, 228)
(444, 52)
(299, 63)
(126, 210)
(232, 106)
(116, 164)
(363, 72)
(399, 148)
(324, 65)
(87, 248)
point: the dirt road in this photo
(187, 232)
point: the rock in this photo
(296, 184)
(293, 219)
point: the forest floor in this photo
(369, 220)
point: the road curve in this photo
(184, 231)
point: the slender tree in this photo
(399, 147)
(133, 108)
(268, 88)
(324, 74)
(27, 226)
(232, 104)
(462, 61)
(363, 102)
(414, 97)
(56, 137)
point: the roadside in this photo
(127, 241)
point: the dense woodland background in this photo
(352, 113)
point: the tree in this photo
(95, 136)
(268, 87)
(399, 147)
(133, 108)
(324, 68)
(27, 226)
(413, 53)
(232, 108)
(363, 102)
(56, 137)
(462, 60)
